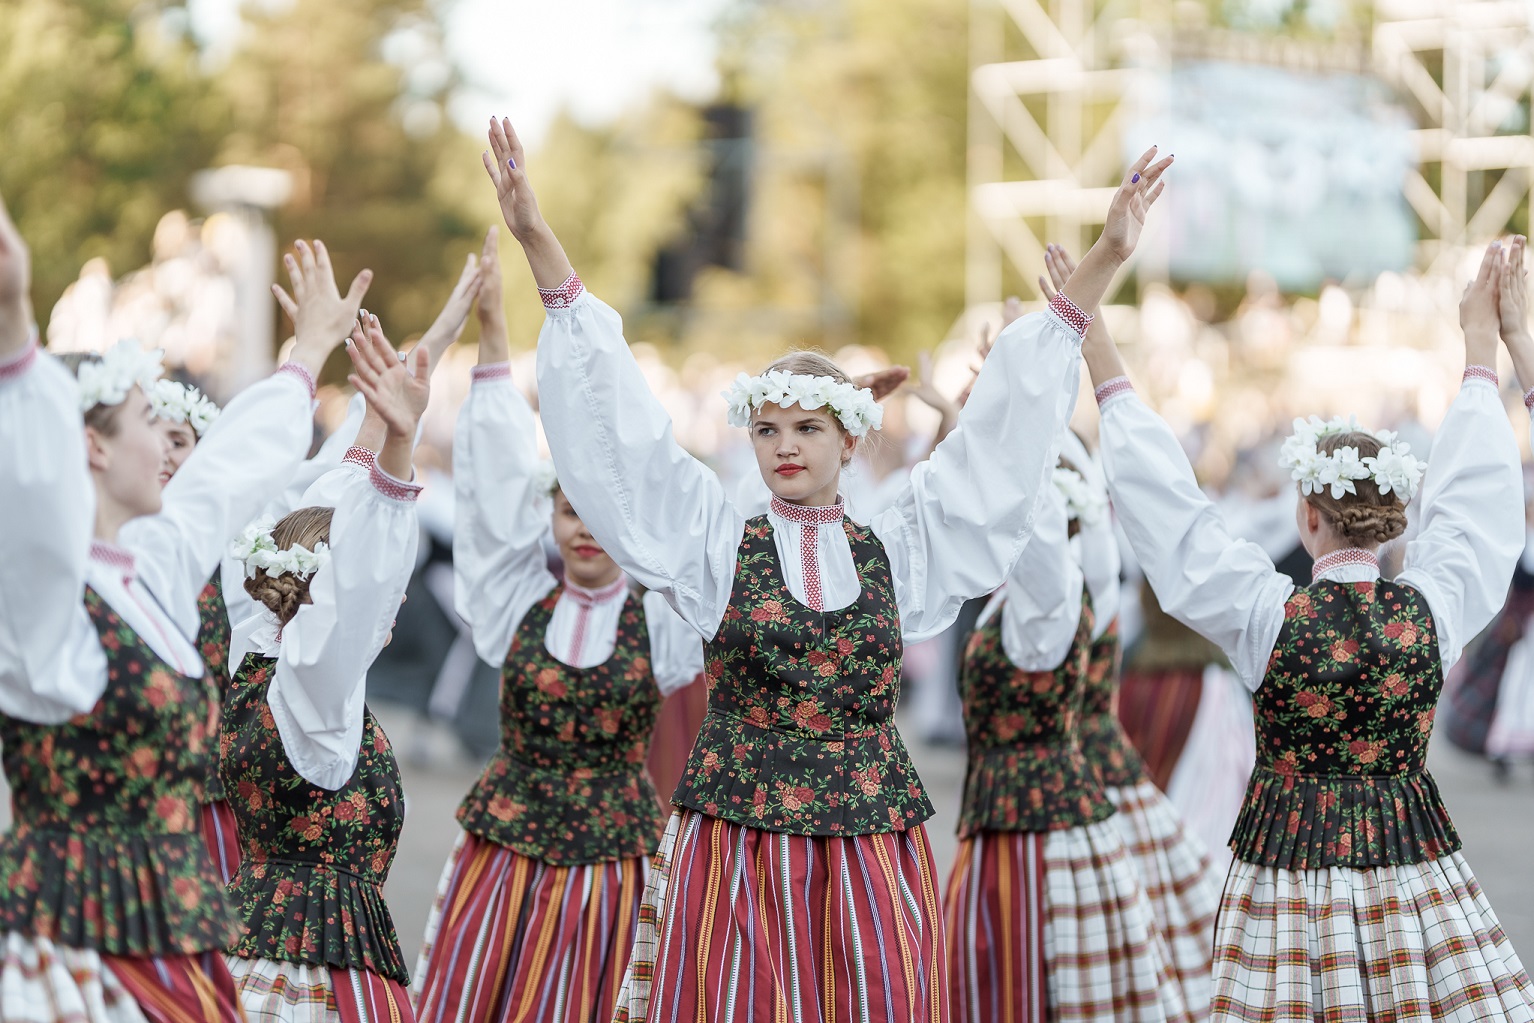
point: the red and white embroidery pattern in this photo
(1485, 373)
(1528, 399)
(492, 371)
(1071, 314)
(809, 520)
(1112, 389)
(585, 600)
(114, 556)
(360, 457)
(564, 296)
(1337, 559)
(21, 362)
(302, 374)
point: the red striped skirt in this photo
(515, 939)
(1157, 709)
(283, 992)
(1055, 926)
(741, 925)
(223, 839)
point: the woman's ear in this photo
(849, 447)
(95, 450)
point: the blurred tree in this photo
(106, 116)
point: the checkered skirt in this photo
(1175, 872)
(1407, 943)
(281, 992)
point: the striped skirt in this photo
(1409, 943)
(514, 940)
(41, 982)
(279, 992)
(1184, 893)
(223, 839)
(1055, 926)
(740, 925)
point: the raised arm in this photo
(1043, 608)
(1098, 548)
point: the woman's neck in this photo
(110, 518)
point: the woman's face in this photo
(180, 439)
(800, 454)
(586, 564)
(127, 464)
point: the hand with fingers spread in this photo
(491, 310)
(927, 393)
(449, 324)
(506, 163)
(322, 317)
(1141, 187)
(1479, 315)
(883, 382)
(15, 288)
(396, 390)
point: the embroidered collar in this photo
(808, 515)
(1345, 563)
(590, 598)
(114, 557)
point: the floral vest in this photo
(567, 784)
(800, 736)
(1110, 754)
(1343, 718)
(105, 852)
(312, 862)
(1026, 771)
(213, 644)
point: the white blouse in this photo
(323, 654)
(1227, 589)
(1096, 546)
(956, 528)
(498, 561)
(52, 666)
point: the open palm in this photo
(397, 392)
(1141, 187)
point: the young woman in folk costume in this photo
(536, 913)
(795, 878)
(313, 782)
(1348, 897)
(110, 908)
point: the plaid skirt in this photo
(1055, 926)
(514, 939)
(1184, 893)
(41, 982)
(740, 924)
(281, 992)
(1410, 943)
(218, 829)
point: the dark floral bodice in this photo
(1343, 718)
(312, 861)
(213, 644)
(1105, 744)
(567, 784)
(800, 736)
(1026, 771)
(105, 851)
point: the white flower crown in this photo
(854, 407)
(258, 551)
(545, 480)
(1083, 502)
(177, 403)
(122, 367)
(1394, 469)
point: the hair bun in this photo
(1370, 524)
(283, 595)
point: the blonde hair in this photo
(1366, 518)
(283, 595)
(811, 363)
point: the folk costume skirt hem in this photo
(284, 992)
(1404, 944)
(511, 939)
(740, 924)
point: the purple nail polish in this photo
(511, 162)
(1135, 180)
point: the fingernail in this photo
(1135, 180)
(511, 161)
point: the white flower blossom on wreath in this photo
(121, 368)
(1083, 502)
(545, 479)
(854, 407)
(258, 551)
(177, 403)
(1393, 470)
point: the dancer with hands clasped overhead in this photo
(311, 777)
(795, 878)
(1348, 897)
(537, 909)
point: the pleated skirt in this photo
(1405, 944)
(223, 838)
(515, 940)
(1055, 926)
(282, 992)
(1184, 893)
(740, 924)
(41, 982)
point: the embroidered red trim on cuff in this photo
(19, 363)
(1485, 373)
(302, 374)
(492, 371)
(1528, 399)
(1337, 559)
(1071, 313)
(563, 296)
(390, 487)
(361, 457)
(1112, 389)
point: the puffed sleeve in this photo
(499, 569)
(1097, 546)
(1043, 608)
(661, 514)
(676, 652)
(246, 457)
(1224, 588)
(49, 502)
(957, 528)
(331, 451)
(1471, 531)
(319, 687)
